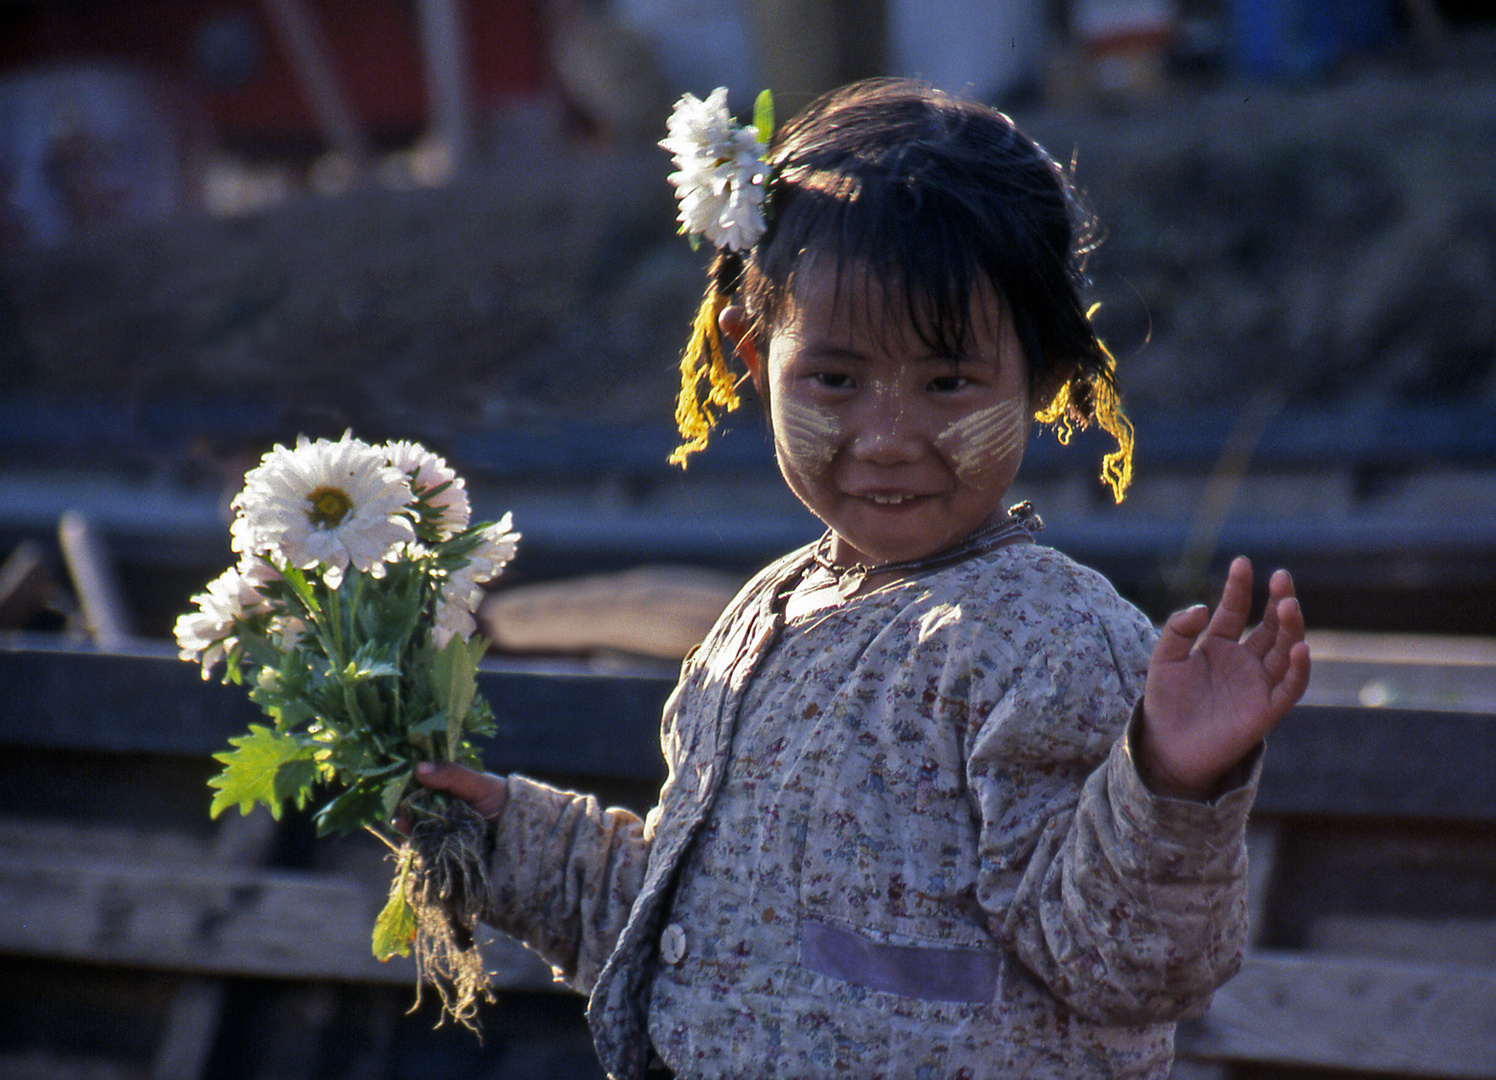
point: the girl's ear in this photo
(733, 322)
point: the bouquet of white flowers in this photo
(350, 616)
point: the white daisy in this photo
(462, 590)
(720, 171)
(454, 617)
(425, 472)
(494, 550)
(327, 503)
(207, 634)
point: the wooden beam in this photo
(448, 84)
(1386, 764)
(193, 1018)
(212, 921)
(307, 53)
(1329, 761)
(1429, 1020)
(104, 612)
(552, 719)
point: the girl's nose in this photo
(887, 432)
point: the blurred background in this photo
(223, 224)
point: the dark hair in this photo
(936, 193)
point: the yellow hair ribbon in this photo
(1106, 406)
(1116, 467)
(703, 361)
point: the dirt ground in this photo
(1334, 241)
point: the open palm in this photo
(1213, 694)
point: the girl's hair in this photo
(934, 194)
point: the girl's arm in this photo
(564, 871)
(1132, 905)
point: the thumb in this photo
(1179, 633)
(482, 791)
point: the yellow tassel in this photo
(1116, 467)
(695, 414)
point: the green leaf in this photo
(265, 767)
(303, 589)
(763, 115)
(392, 793)
(395, 928)
(362, 804)
(454, 679)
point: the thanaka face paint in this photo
(997, 431)
(807, 434)
(901, 452)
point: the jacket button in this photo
(673, 944)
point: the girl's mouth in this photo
(890, 498)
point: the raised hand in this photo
(1213, 694)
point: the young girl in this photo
(932, 810)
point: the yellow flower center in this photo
(327, 507)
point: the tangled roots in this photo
(446, 889)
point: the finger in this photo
(1179, 633)
(483, 791)
(1230, 617)
(1287, 692)
(1290, 622)
(1262, 640)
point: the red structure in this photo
(232, 57)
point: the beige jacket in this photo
(903, 837)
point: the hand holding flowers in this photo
(350, 612)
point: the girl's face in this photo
(901, 452)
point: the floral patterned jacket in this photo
(901, 837)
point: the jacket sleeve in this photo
(563, 876)
(1129, 907)
(565, 871)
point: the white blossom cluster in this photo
(325, 506)
(720, 171)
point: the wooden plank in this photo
(212, 921)
(1335, 761)
(1341, 761)
(25, 584)
(307, 54)
(553, 718)
(192, 1023)
(192, 1020)
(1447, 940)
(41, 1065)
(448, 79)
(1429, 1020)
(1404, 671)
(104, 612)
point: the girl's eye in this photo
(832, 380)
(947, 384)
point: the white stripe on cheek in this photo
(809, 435)
(983, 436)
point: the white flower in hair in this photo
(720, 171)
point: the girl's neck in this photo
(827, 582)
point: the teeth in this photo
(889, 500)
